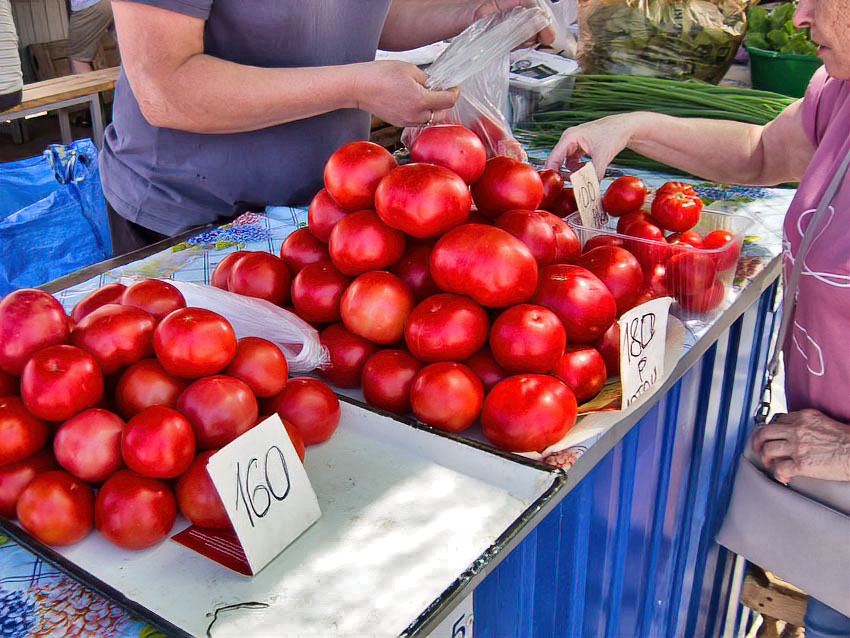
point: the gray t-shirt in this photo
(169, 180)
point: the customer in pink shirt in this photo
(805, 143)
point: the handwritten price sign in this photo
(588, 197)
(643, 337)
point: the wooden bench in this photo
(59, 94)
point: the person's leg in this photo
(85, 29)
(822, 621)
(128, 236)
(80, 66)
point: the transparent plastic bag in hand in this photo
(251, 317)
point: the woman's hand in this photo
(601, 140)
(489, 7)
(805, 443)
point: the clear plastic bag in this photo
(251, 317)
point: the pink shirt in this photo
(817, 354)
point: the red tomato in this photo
(116, 336)
(14, 477)
(21, 434)
(446, 395)
(623, 195)
(507, 184)
(88, 445)
(527, 338)
(56, 508)
(9, 385)
(688, 238)
(626, 220)
(220, 408)
(146, 383)
(609, 347)
(353, 171)
(194, 342)
(486, 263)
(348, 353)
(197, 497)
(155, 296)
(296, 438)
(486, 367)
(158, 442)
(414, 269)
(260, 364)
(361, 242)
(582, 368)
(446, 327)
(676, 211)
(323, 214)
(655, 284)
(690, 273)
(649, 247)
(582, 302)
(708, 299)
(675, 187)
(317, 291)
(133, 511)
(261, 275)
(59, 381)
(29, 321)
(387, 378)
(724, 248)
(376, 305)
(528, 412)
(308, 404)
(222, 269)
(301, 248)
(422, 200)
(603, 239)
(553, 184)
(453, 147)
(110, 293)
(619, 270)
(549, 238)
(565, 203)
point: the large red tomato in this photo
(260, 364)
(690, 272)
(675, 187)
(565, 203)
(676, 211)
(553, 184)
(197, 497)
(29, 321)
(486, 367)
(549, 238)
(9, 385)
(261, 275)
(88, 445)
(387, 378)
(194, 342)
(301, 248)
(21, 434)
(16, 476)
(446, 327)
(623, 195)
(116, 336)
(609, 347)
(59, 381)
(451, 146)
(629, 218)
(220, 408)
(56, 508)
(486, 263)
(158, 442)
(155, 296)
(447, 395)
(110, 293)
(708, 299)
(582, 368)
(146, 383)
(308, 404)
(361, 242)
(724, 249)
(422, 200)
(686, 238)
(619, 270)
(222, 269)
(134, 511)
(296, 438)
(655, 284)
(582, 302)
(317, 291)
(649, 245)
(507, 184)
(527, 338)
(414, 269)
(602, 239)
(348, 354)
(376, 305)
(528, 412)
(353, 171)
(323, 214)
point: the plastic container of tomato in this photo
(698, 279)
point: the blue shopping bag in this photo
(52, 215)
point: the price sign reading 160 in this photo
(262, 483)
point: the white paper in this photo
(265, 491)
(588, 196)
(643, 334)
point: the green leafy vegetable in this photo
(775, 31)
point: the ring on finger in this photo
(430, 119)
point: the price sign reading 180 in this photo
(643, 336)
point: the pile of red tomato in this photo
(108, 416)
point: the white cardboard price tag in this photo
(588, 196)
(643, 336)
(265, 491)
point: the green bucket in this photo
(786, 73)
